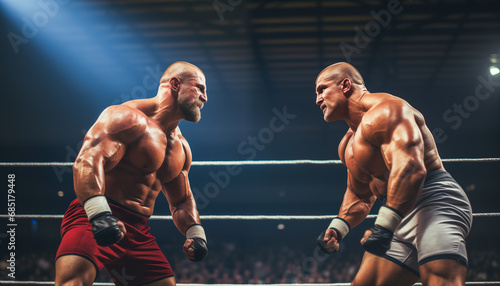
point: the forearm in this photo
(88, 177)
(355, 209)
(185, 214)
(405, 183)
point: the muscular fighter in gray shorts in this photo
(389, 151)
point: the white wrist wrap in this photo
(196, 231)
(340, 225)
(388, 219)
(95, 206)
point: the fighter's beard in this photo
(191, 111)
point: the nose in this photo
(319, 99)
(203, 97)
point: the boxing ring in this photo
(235, 217)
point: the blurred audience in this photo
(244, 264)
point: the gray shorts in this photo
(436, 228)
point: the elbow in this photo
(178, 205)
(77, 165)
(85, 170)
(413, 171)
(421, 174)
(418, 174)
(81, 164)
(420, 170)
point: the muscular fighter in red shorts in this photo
(390, 154)
(132, 152)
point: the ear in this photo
(175, 84)
(346, 86)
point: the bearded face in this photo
(190, 105)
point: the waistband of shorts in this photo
(438, 176)
(127, 215)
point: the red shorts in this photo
(134, 260)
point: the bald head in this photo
(181, 70)
(339, 71)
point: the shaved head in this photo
(181, 70)
(339, 71)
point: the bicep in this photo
(108, 138)
(357, 202)
(101, 148)
(358, 190)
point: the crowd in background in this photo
(229, 263)
(268, 265)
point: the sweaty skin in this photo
(129, 158)
(387, 150)
(388, 155)
(135, 150)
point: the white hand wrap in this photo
(340, 225)
(95, 206)
(196, 231)
(388, 218)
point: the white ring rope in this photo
(231, 217)
(240, 163)
(10, 282)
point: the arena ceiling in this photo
(283, 44)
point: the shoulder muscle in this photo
(122, 123)
(380, 124)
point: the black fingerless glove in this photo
(200, 249)
(105, 229)
(322, 244)
(341, 227)
(379, 241)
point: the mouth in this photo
(323, 108)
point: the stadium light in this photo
(494, 67)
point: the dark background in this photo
(79, 57)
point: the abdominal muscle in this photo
(137, 192)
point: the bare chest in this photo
(156, 154)
(363, 160)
